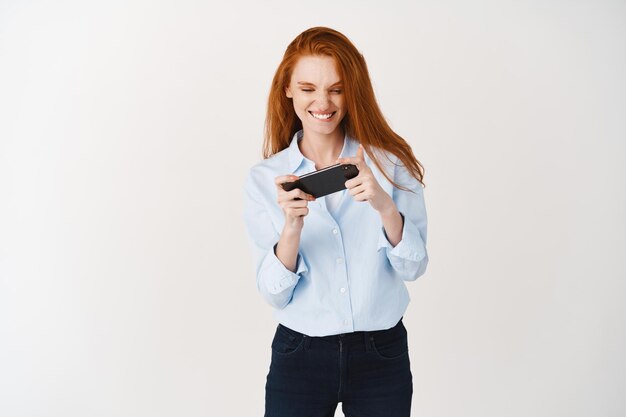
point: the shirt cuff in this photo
(411, 247)
(277, 277)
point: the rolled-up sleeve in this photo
(274, 281)
(409, 257)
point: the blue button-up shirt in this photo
(348, 275)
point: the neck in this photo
(322, 149)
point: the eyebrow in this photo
(308, 83)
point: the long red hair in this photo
(363, 121)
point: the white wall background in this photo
(126, 129)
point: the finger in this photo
(296, 203)
(294, 195)
(364, 176)
(296, 192)
(357, 190)
(359, 153)
(284, 178)
(361, 196)
(353, 182)
(298, 212)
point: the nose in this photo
(323, 99)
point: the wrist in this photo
(389, 209)
(292, 230)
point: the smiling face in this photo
(317, 94)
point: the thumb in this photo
(359, 153)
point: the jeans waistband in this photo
(353, 339)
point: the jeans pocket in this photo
(392, 344)
(286, 342)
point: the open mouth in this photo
(322, 116)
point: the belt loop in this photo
(366, 339)
(307, 342)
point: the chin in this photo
(324, 130)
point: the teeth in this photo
(322, 116)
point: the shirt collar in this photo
(296, 158)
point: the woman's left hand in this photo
(365, 187)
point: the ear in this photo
(288, 93)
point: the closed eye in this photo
(308, 90)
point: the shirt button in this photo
(346, 322)
(339, 260)
(342, 290)
(335, 231)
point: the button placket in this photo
(342, 278)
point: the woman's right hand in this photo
(294, 210)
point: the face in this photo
(317, 94)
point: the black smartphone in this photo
(324, 181)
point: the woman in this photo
(334, 268)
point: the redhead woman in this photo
(335, 268)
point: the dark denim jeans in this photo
(368, 372)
